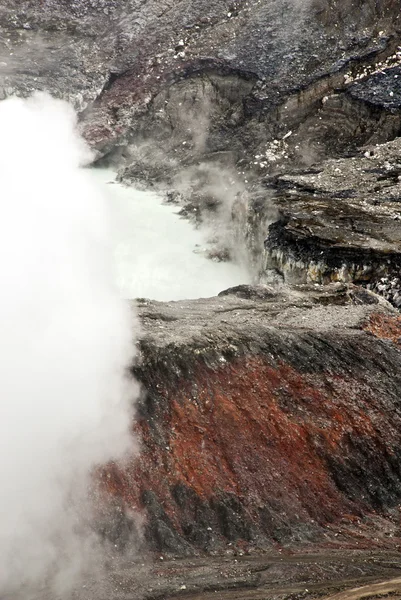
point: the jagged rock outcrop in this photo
(269, 419)
(340, 222)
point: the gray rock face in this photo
(49, 46)
(340, 222)
(128, 56)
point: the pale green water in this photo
(154, 249)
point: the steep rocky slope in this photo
(269, 417)
(253, 69)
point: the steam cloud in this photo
(66, 341)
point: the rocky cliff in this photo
(270, 419)
(255, 70)
(270, 416)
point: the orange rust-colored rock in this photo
(294, 437)
(386, 327)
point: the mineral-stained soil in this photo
(270, 436)
(270, 419)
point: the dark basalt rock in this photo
(340, 222)
(382, 89)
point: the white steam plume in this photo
(66, 339)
